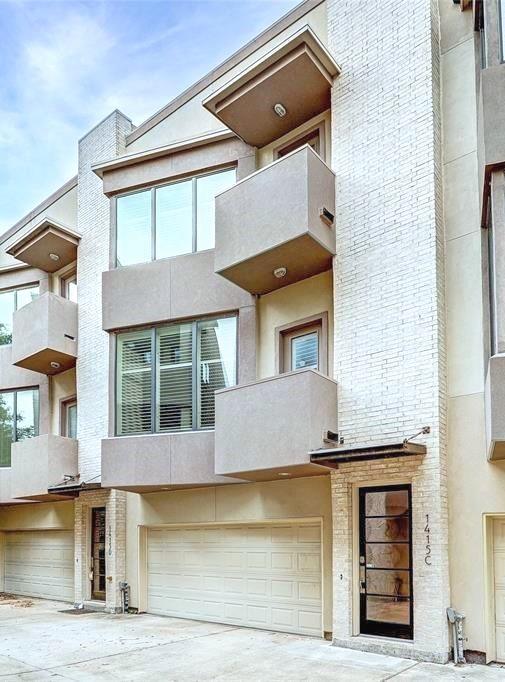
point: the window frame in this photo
(69, 278)
(285, 333)
(193, 178)
(65, 403)
(36, 424)
(302, 139)
(195, 403)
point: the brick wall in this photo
(114, 502)
(389, 278)
(103, 142)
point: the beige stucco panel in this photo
(62, 387)
(465, 370)
(476, 487)
(249, 502)
(38, 516)
(289, 305)
(459, 116)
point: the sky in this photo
(65, 65)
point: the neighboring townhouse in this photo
(244, 351)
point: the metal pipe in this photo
(456, 620)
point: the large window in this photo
(10, 301)
(19, 419)
(169, 220)
(167, 376)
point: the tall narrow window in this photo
(69, 287)
(174, 219)
(174, 404)
(19, 419)
(133, 225)
(217, 364)
(134, 376)
(207, 188)
(169, 220)
(10, 301)
(190, 361)
(69, 418)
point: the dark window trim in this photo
(382, 629)
(154, 369)
(152, 189)
(303, 138)
(291, 328)
(65, 403)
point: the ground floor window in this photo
(385, 548)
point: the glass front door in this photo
(386, 606)
(98, 553)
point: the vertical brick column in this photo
(114, 502)
(104, 141)
(389, 288)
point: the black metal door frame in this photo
(96, 561)
(371, 627)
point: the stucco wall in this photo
(248, 502)
(62, 387)
(40, 516)
(475, 486)
(288, 305)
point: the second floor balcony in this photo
(276, 227)
(41, 463)
(44, 335)
(267, 428)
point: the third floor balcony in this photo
(276, 227)
(44, 335)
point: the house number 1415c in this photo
(427, 556)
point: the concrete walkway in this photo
(37, 642)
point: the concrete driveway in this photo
(37, 642)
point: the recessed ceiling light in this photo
(280, 272)
(55, 365)
(280, 110)
(54, 256)
(283, 473)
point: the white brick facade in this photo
(389, 281)
(104, 141)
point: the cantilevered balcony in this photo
(296, 75)
(266, 429)
(276, 226)
(495, 408)
(41, 463)
(44, 335)
(165, 461)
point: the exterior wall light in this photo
(280, 272)
(280, 110)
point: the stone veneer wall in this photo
(389, 288)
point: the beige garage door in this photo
(262, 576)
(40, 564)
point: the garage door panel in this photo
(40, 564)
(266, 576)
